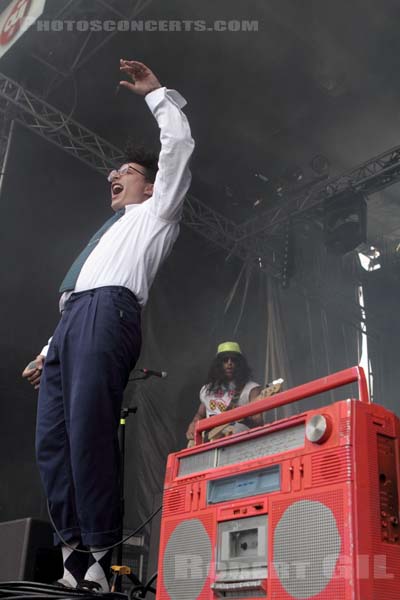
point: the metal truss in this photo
(253, 242)
(212, 225)
(226, 234)
(62, 53)
(39, 116)
(5, 129)
(247, 240)
(368, 178)
(53, 125)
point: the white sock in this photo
(75, 565)
(99, 567)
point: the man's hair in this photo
(216, 375)
(143, 157)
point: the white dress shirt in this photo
(131, 251)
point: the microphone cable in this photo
(153, 514)
(32, 590)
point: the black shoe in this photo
(92, 586)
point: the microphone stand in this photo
(125, 412)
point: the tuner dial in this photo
(318, 429)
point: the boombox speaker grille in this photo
(306, 548)
(186, 561)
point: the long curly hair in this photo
(216, 374)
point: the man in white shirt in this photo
(84, 369)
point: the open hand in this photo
(33, 371)
(142, 78)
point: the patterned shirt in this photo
(219, 400)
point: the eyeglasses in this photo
(122, 171)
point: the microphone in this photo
(150, 373)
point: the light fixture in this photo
(228, 191)
(320, 164)
(262, 177)
(369, 257)
(345, 222)
(279, 187)
(297, 175)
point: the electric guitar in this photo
(222, 431)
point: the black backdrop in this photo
(51, 203)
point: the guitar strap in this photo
(236, 397)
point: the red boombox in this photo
(304, 508)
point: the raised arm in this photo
(173, 177)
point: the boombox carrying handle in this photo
(293, 395)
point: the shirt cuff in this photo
(45, 348)
(154, 98)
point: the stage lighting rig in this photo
(369, 257)
(320, 164)
(345, 222)
(262, 177)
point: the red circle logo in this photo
(13, 21)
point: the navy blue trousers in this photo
(95, 346)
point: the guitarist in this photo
(228, 385)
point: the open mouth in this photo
(116, 189)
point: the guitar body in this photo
(230, 428)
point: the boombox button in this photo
(258, 506)
(244, 511)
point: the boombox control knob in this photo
(318, 429)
